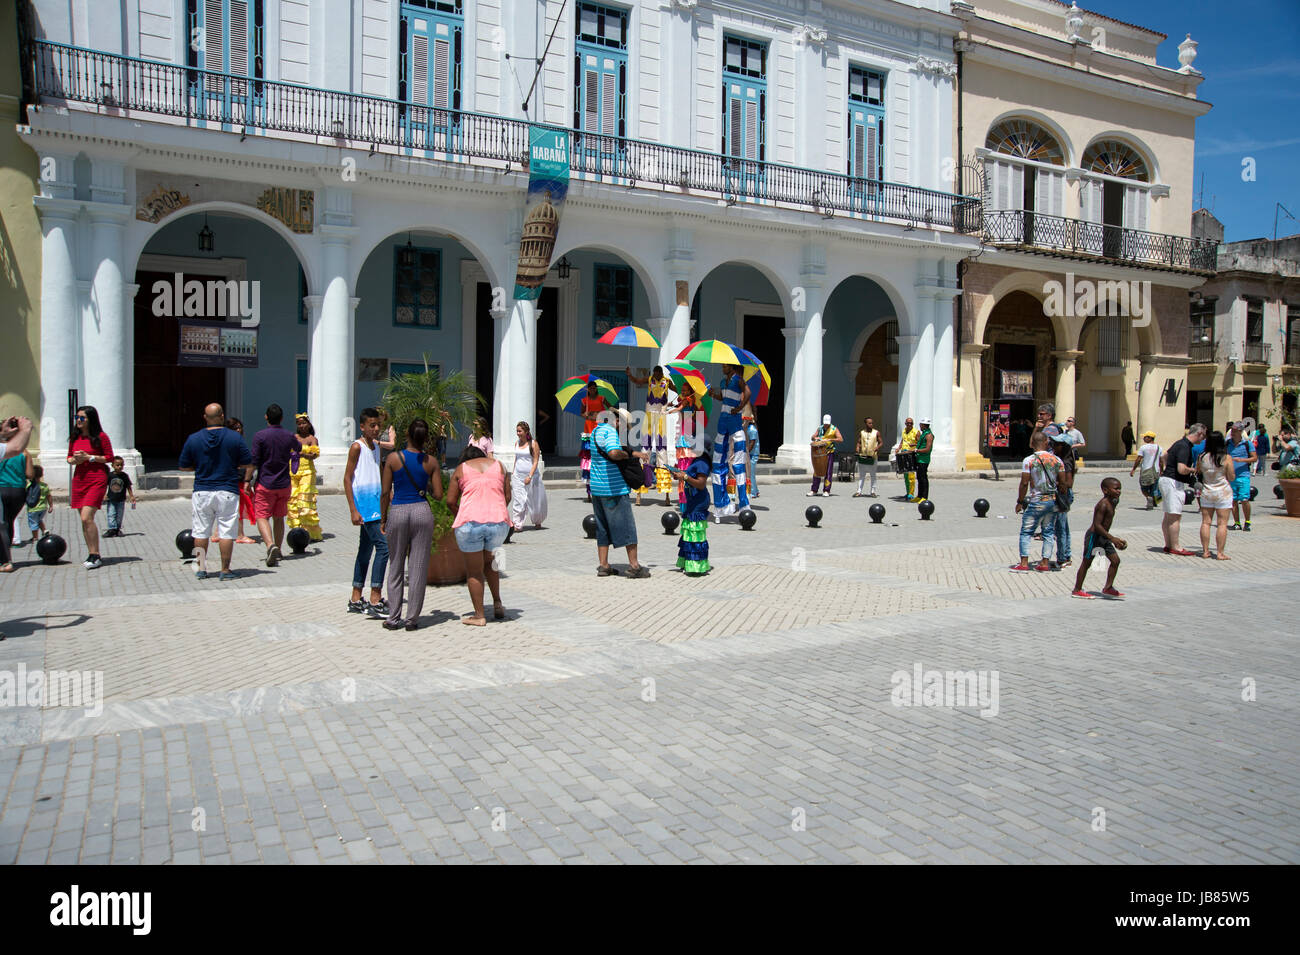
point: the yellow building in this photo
(20, 243)
(1082, 144)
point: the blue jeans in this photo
(114, 510)
(370, 540)
(1038, 513)
(1063, 529)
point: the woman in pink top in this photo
(480, 494)
(481, 438)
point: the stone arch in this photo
(1144, 152)
(1040, 119)
(360, 258)
(1065, 331)
(908, 324)
(645, 275)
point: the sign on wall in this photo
(216, 345)
(1017, 384)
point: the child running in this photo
(1099, 535)
(693, 546)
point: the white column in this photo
(810, 83)
(109, 364)
(331, 373)
(907, 381)
(805, 391)
(677, 103)
(516, 371)
(922, 392)
(60, 331)
(944, 455)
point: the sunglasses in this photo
(81, 417)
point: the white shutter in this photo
(441, 72)
(1090, 200)
(591, 106)
(1135, 208)
(420, 70)
(1007, 184)
(735, 125)
(1048, 190)
(859, 150)
(213, 37)
(751, 129)
(873, 152)
(239, 65)
(1015, 186)
(609, 100)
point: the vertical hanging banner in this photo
(548, 184)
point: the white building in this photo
(773, 174)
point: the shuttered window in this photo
(866, 124)
(600, 75)
(226, 37)
(744, 98)
(430, 45)
(1110, 333)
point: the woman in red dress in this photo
(245, 498)
(90, 450)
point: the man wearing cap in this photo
(924, 445)
(825, 438)
(1243, 462)
(1150, 458)
(1062, 445)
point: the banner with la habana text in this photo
(548, 184)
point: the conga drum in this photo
(821, 456)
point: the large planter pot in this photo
(447, 563)
(1291, 495)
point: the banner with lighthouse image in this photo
(548, 184)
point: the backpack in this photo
(629, 467)
(33, 494)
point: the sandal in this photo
(7, 569)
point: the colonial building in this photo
(1082, 144)
(767, 173)
(1244, 331)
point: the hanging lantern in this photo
(206, 238)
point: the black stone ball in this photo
(589, 525)
(814, 514)
(185, 544)
(670, 520)
(747, 519)
(926, 508)
(1277, 490)
(51, 547)
(877, 512)
(981, 507)
(298, 538)
(1254, 492)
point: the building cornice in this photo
(1033, 262)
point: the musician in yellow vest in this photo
(824, 440)
(907, 443)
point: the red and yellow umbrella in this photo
(574, 389)
(685, 376)
(630, 336)
(711, 351)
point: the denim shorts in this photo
(615, 522)
(472, 537)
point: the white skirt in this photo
(1216, 497)
(527, 501)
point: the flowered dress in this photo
(589, 406)
(302, 497)
(693, 545)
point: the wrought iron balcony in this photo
(1202, 352)
(1256, 352)
(252, 107)
(1075, 238)
(1293, 353)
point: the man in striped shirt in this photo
(615, 521)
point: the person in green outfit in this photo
(924, 445)
(693, 546)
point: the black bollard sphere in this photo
(814, 514)
(877, 512)
(298, 538)
(1254, 492)
(1277, 490)
(589, 525)
(926, 508)
(670, 520)
(51, 547)
(981, 507)
(747, 519)
(185, 544)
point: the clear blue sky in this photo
(1250, 54)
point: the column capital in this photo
(974, 349)
(108, 181)
(108, 213)
(907, 339)
(57, 209)
(1066, 354)
(331, 234)
(57, 177)
(338, 207)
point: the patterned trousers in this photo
(729, 450)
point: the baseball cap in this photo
(925, 421)
(1237, 426)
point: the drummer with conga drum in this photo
(905, 457)
(823, 456)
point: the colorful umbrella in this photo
(574, 390)
(710, 351)
(756, 376)
(629, 335)
(685, 375)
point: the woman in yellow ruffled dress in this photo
(302, 475)
(654, 436)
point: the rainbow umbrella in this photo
(710, 352)
(629, 335)
(756, 376)
(574, 389)
(685, 375)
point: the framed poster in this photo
(999, 426)
(1017, 384)
(216, 345)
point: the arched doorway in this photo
(875, 387)
(1016, 373)
(219, 316)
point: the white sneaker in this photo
(811, 494)
(826, 493)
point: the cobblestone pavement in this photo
(750, 715)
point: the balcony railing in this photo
(1293, 353)
(1201, 351)
(1256, 352)
(1076, 237)
(247, 106)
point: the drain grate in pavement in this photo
(280, 632)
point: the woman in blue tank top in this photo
(411, 479)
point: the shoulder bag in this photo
(421, 487)
(629, 467)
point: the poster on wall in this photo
(216, 345)
(1017, 384)
(999, 426)
(548, 184)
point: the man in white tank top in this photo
(362, 487)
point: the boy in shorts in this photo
(1099, 535)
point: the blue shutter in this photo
(602, 109)
(431, 74)
(231, 55)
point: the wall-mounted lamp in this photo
(206, 238)
(406, 258)
(563, 268)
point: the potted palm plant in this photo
(449, 403)
(1289, 479)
